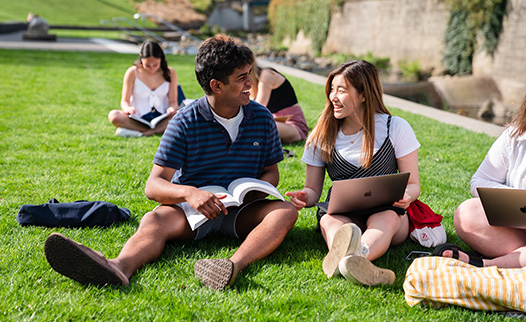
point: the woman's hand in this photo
(130, 110)
(403, 203)
(171, 110)
(298, 198)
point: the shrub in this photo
(411, 70)
(468, 18)
(288, 17)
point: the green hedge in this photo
(288, 17)
(467, 20)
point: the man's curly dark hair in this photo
(218, 57)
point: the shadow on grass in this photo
(302, 245)
(299, 244)
(300, 144)
(302, 249)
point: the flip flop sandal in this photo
(475, 258)
(81, 263)
(216, 274)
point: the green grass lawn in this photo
(56, 142)
(77, 12)
(67, 12)
(87, 13)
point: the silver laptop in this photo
(504, 207)
(366, 193)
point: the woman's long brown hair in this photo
(363, 76)
(255, 74)
(519, 120)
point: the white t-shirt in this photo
(504, 166)
(231, 125)
(401, 135)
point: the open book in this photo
(153, 123)
(283, 118)
(235, 194)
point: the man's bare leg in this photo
(87, 266)
(163, 224)
(264, 226)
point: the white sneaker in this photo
(127, 133)
(359, 270)
(347, 241)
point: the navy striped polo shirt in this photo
(197, 145)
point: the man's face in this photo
(237, 91)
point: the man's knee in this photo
(283, 214)
(151, 220)
(291, 214)
(165, 220)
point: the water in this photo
(425, 93)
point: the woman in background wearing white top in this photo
(357, 137)
(503, 167)
(149, 89)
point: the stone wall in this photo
(508, 65)
(399, 29)
(414, 30)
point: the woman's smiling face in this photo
(345, 98)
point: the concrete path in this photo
(14, 41)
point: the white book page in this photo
(240, 187)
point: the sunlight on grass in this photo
(56, 142)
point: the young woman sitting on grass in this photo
(149, 89)
(355, 137)
(503, 167)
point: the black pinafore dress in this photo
(383, 163)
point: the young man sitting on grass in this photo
(213, 141)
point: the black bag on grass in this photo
(80, 213)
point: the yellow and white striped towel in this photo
(439, 281)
